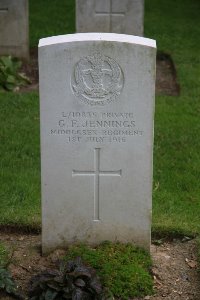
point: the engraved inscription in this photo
(97, 127)
(97, 79)
(96, 173)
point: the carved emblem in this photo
(97, 79)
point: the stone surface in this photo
(115, 16)
(97, 105)
(14, 28)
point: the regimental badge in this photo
(97, 79)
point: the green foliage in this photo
(123, 268)
(42, 12)
(10, 78)
(176, 205)
(176, 196)
(74, 281)
(6, 281)
(7, 284)
(20, 160)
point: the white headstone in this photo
(117, 16)
(14, 28)
(97, 105)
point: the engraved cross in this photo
(108, 11)
(96, 173)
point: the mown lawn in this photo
(176, 206)
(20, 159)
(176, 197)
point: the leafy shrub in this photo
(6, 281)
(8, 285)
(10, 77)
(74, 281)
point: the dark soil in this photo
(166, 79)
(174, 265)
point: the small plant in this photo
(6, 281)
(73, 280)
(8, 285)
(10, 78)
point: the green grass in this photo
(20, 159)
(176, 197)
(175, 24)
(50, 17)
(4, 256)
(176, 205)
(123, 268)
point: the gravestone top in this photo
(96, 106)
(114, 16)
(96, 36)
